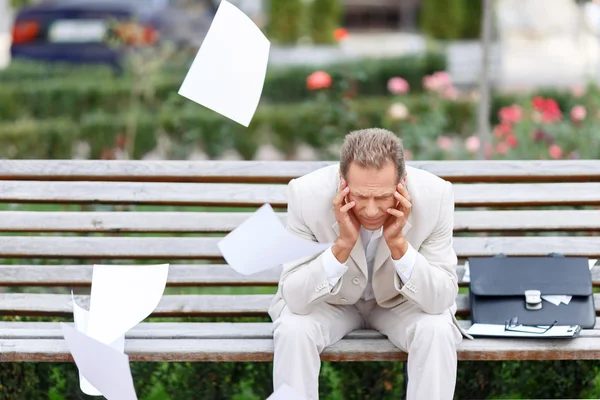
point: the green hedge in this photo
(74, 96)
(458, 19)
(349, 381)
(285, 125)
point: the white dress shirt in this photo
(370, 239)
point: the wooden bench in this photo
(89, 212)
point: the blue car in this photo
(77, 30)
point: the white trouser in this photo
(429, 340)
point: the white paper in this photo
(498, 330)
(81, 317)
(261, 242)
(284, 392)
(122, 296)
(104, 367)
(228, 73)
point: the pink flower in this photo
(555, 151)
(443, 79)
(577, 90)
(437, 82)
(318, 80)
(444, 143)
(472, 144)
(398, 85)
(502, 130)
(511, 114)
(450, 93)
(502, 148)
(512, 140)
(578, 113)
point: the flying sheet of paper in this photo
(81, 317)
(122, 296)
(557, 299)
(104, 367)
(228, 73)
(284, 392)
(564, 331)
(261, 242)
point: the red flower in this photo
(318, 80)
(511, 114)
(555, 151)
(340, 34)
(548, 108)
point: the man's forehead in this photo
(360, 191)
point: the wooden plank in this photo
(179, 275)
(283, 171)
(467, 195)
(170, 305)
(223, 350)
(182, 248)
(223, 222)
(193, 330)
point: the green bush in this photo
(286, 19)
(348, 381)
(38, 139)
(326, 17)
(187, 125)
(443, 19)
(74, 97)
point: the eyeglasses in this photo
(513, 325)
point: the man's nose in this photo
(372, 210)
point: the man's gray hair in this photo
(372, 148)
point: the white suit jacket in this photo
(433, 284)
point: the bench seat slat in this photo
(217, 222)
(169, 305)
(222, 350)
(193, 330)
(179, 275)
(169, 248)
(283, 171)
(220, 194)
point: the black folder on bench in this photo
(502, 288)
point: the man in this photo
(391, 267)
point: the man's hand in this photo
(393, 226)
(349, 225)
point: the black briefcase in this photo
(502, 288)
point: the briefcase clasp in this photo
(533, 299)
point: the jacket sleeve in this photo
(433, 283)
(304, 283)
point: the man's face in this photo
(373, 191)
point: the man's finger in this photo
(337, 201)
(396, 213)
(347, 207)
(403, 191)
(404, 202)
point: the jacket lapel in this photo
(358, 252)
